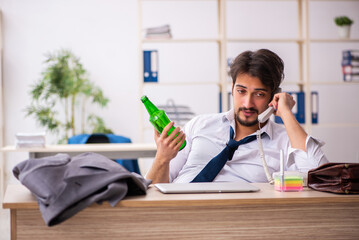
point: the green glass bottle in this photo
(158, 117)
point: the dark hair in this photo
(263, 64)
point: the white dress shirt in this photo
(207, 135)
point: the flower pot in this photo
(344, 31)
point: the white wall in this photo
(102, 33)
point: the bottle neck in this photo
(151, 108)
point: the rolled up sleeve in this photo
(299, 160)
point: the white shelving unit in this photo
(296, 44)
(333, 81)
(213, 41)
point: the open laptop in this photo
(206, 187)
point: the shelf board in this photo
(335, 125)
(230, 83)
(263, 0)
(334, 83)
(205, 83)
(180, 40)
(233, 40)
(334, 40)
(296, 40)
(333, 0)
(292, 83)
(180, 83)
(180, 0)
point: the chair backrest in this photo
(98, 138)
(130, 165)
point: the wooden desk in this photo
(113, 150)
(267, 214)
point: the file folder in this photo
(315, 106)
(150, 66)
(146, 66)
(154, 66)
(298, 109)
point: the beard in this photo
(246, 122)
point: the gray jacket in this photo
(64, 186)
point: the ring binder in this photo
(150, 66)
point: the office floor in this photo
(4, 223)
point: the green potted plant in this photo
(343, 23)
(65, 86)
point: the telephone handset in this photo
(268, 112)
(265, 115)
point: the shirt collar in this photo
(268, 129)
(229, 116)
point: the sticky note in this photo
(292, 183)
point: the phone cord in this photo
(259, 140)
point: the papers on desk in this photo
(30, 140)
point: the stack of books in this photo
(159, 32)
(30, 140)
(350, 65)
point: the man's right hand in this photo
(168, 145)
(167, 149)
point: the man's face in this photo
(250, 98)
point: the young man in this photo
(256, 78)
